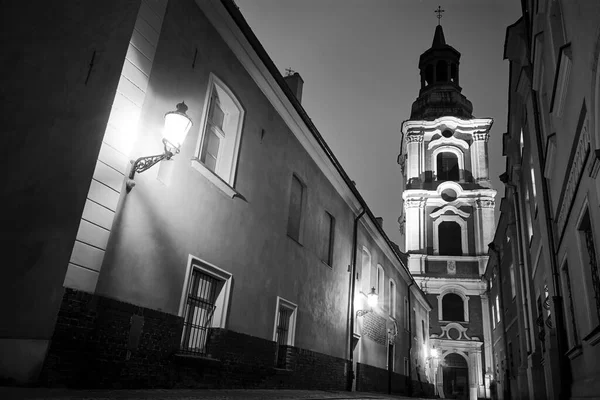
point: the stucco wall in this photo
(158, 225)
(61, 64)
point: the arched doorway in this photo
(456, 377)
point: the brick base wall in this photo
(104, 343)
(373, 379)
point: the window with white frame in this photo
(380, 283)
(453, 308)
(513, 285)
(366, 271)
(450, 235)
(447, 167)
(493, 317)
(392, 299)
(284, 331)
(219, 140)
(294, 226)
(498, 308)
(203, 304)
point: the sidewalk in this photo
(12, 393)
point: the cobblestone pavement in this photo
(9, 393)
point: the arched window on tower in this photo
(453, 308)
(454, 73)
(441, 71)
(429, 74)
(447, 167)
(450, 239)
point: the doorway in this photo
(456, 377)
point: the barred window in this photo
(200, 306)
(203, 305)
(285, 328)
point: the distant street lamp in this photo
(371, 302)
(177, 125)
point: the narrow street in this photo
(10, 393)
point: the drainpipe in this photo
(492, 248)
(351, 299)
(410, 339)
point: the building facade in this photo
(247, 258)
(449, 220)
(552, 191)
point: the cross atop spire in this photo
(439, 12)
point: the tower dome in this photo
(440, 92)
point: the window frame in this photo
(463, 233)
(281, 302)
(219, 317)
(380, 284)
(392, 298)
(225, 174)
(330, 232)
(302, 209)
(455, 289)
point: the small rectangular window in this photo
(513, 285)
(493, 317)
(295, 210)
(328, 239)
(498, 309)
(392, 299)
(406, 313)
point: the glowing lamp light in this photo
(434, 353)
(177, 125)
(372, 298)
(371, 302)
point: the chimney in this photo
(295, 82)
(379, 221)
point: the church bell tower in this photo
(448, 220)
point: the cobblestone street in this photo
(9, 393)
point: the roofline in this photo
(241, 23)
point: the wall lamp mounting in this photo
(371, 302)
(177, 125)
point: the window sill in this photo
(574, 352)
(593, 338)
(215, 179)
(327, 265)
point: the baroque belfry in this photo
(448, 221)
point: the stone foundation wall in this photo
(104, 343)
(373, 379)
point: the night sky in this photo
(359, 62)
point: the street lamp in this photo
(371, 302)
(177, 125)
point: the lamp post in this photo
(433, 357)
(177, 125)
(371, 302)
